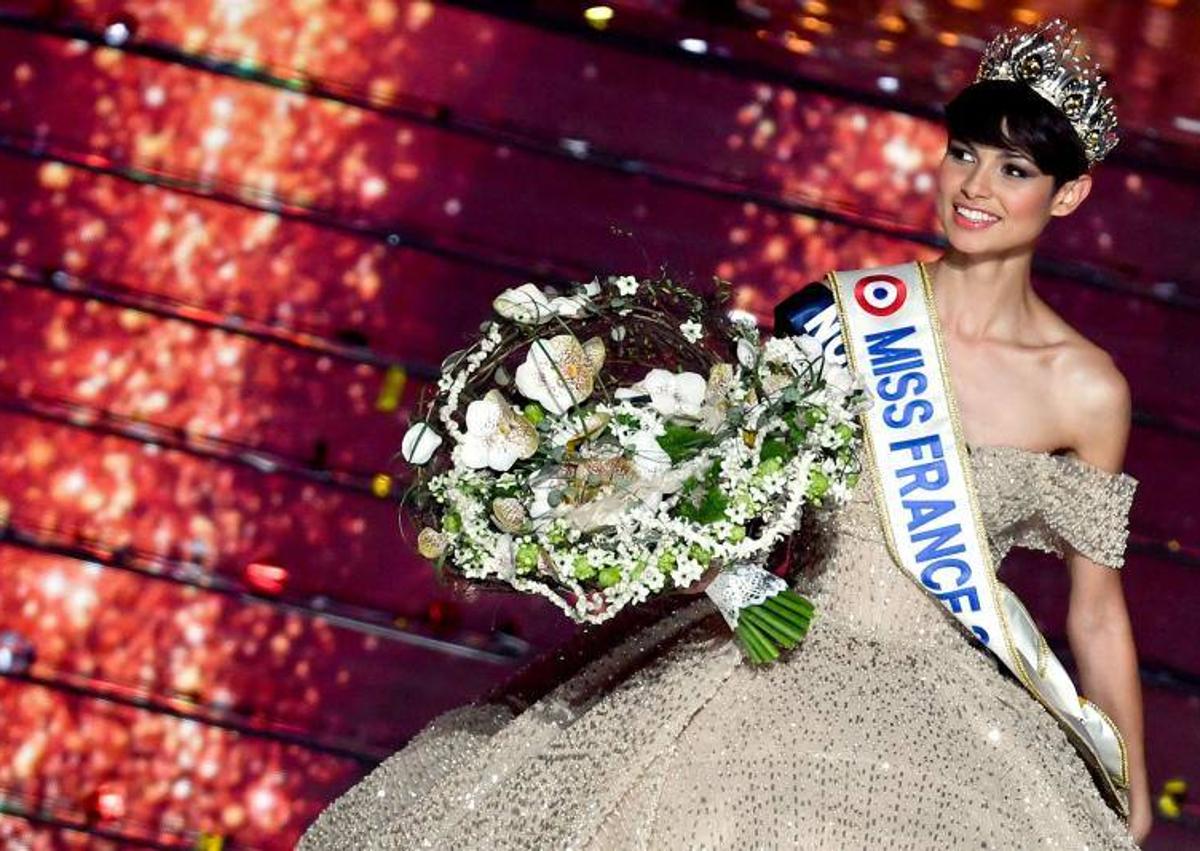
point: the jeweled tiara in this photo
(1051, 61)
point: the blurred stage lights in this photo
(578, 148)
(17, 653)
(891, 85)
(266, 578)
(598, 16)
(119, 30)
(108, 802)
(694, 45)
(1187, 125)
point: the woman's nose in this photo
(976, 184)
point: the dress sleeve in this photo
(1086, 509)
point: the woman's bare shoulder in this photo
(1091, 394)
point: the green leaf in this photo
(775, 448)
(681, 442)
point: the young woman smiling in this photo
(891, 726)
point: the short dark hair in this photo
(1035, 127)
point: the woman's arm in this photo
(1098, 626)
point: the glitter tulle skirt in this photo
(886, 729)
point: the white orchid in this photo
(692, 330)
(528, 305)
(419, 443)
(672, 394)
(560, 372)
(716, 397)
(747, 353)
(497, 436)
(796, 352)
(839, 378)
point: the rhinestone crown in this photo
(1051, 61)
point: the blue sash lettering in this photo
(920, 473)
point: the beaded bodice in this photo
(1054, 503)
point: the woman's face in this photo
(995, 201)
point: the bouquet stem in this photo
(768, 628)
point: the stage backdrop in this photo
(236, 240)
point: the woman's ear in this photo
(1070, 195)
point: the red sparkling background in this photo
(232, 248)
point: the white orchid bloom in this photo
(839, 378)
(569, 306)
(542, 484)
(528, 305)
(810, 346)
(649, 458)
(419, 443)
(672, 394)
(560, 372)
(716, 397)
(692, 331)
(497, 436)
(747, 353)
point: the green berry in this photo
(452, 524)
(667, 562)
(527, 558)
(700, 554)
(818, 483)
(737, 533)
(582, 569)
(844, 433)
(609, 577)
(770, 466)
(534, 413)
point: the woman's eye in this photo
(1016, 171)
(959, 153)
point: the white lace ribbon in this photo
(742, 585)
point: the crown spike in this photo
(1052, 61)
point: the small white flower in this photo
(497, 436)
(671, 394)
(419, 443)
(692, 330)
(626, 285)
(560, 372)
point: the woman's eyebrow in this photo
(1019, 155)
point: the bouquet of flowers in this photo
(624, 438)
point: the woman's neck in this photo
(983, 297)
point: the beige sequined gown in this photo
(887, 729)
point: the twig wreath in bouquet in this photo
(624, 438)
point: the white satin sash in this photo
(925, 492)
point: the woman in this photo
(887, 728)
